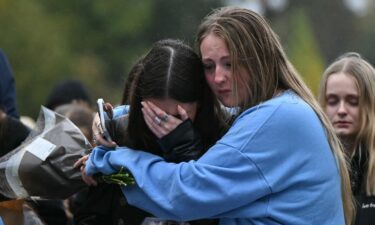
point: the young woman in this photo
(279, 163)
(171, 76)
(347, 94)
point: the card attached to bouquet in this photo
(41, 148)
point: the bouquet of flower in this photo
(42, 166)
(117, 129)
(122, 178)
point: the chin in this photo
(228, 104)
(344, 133)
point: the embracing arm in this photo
(224, 182)
(213, 186)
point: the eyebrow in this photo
(331, 95)
(350, 94)
(221, 58)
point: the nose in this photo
(220, 75)
(342, 109)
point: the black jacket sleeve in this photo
(182, 144)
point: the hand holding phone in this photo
(100, 105)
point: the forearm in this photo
(99, 162)
(175, 191)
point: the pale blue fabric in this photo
(274, 166)
(118, 111)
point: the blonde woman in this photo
(348, 96)
(279, 163)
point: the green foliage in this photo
(98, 41)
(93, 41)
(36, 49)
(303, 50)
(122, 178)
(365, 39)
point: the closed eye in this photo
(208, 67)
(332, 100)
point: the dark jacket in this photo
(105, 203)
(7, 87)
(365, 204)
(12, 134)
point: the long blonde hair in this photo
(354, 65)
(253, 45)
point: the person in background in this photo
(12, 134)
(68, 91)
(347, 94)
(280, 162)
(14, 211)
(80, 115)
(7, 87)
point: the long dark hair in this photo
(171, 69)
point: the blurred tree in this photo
(94, 41)
(37, 50)
(103, 36)
(178, 18)
(108, 36)
(303, 49)
(365, 40)
(334, 26)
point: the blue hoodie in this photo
(274, 166)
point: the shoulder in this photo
(285, 116)
(290, 110)
(284, 110)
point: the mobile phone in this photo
(100, 105)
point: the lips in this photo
(342, 124)
(224, 91)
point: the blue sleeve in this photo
(212, 186)
(120, 110)
(7, 87)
